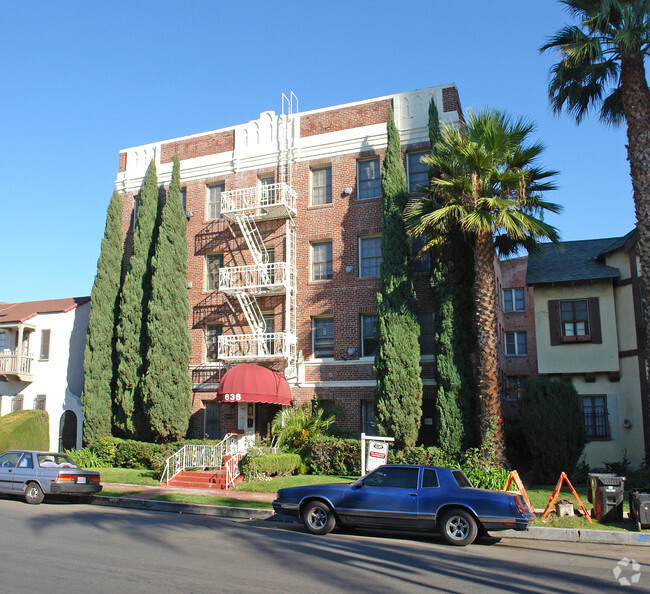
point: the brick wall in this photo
(334, 120)
(199, 146)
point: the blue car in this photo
(401, 497)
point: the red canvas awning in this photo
(252, 383)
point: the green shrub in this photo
(297, 427)
(25, 430)
(554, 427)
(267, 465)
(335, 456)
(86, 458)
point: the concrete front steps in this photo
(202, 479)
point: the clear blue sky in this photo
(81, 80)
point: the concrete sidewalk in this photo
(142, 496)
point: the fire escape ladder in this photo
(252, 312)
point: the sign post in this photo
(377, 452)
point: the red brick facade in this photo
(200, 146)
(335, 120)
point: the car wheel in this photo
(318, 518)
(33, 493)
(459, 527)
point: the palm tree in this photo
(602, 66)
(488, 183)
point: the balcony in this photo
(259, 279)
(257, 348)
(274, 201)
(16, 368)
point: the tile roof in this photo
(578, 261)
(21, 312)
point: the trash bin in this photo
(606, 493)
(640, 508)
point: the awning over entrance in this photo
(252, 383)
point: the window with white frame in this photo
(416, 171)
(267, 184)
(596, 416)
(212, 334)
(321, 185)
(368, 334)
(516, 343)
(184, 198)
(514, 388)
(269, 322)
(45, 345)
(426, 320)
(323, 337)
(213, 262)
(321, 261)
(369, 185)
(574, 317)
(513, 300)
(369, 256)
(214, 201)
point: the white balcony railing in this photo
(260, 201)
(257, 277)
(270, 346)
(10, 362)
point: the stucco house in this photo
(41, 363)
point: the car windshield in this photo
(461, 480)
(55, 461)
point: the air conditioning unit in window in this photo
(189, 284)
(189, 214)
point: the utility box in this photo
(640, 508)
(606, 493)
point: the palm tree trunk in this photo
(486, 331)
(636, 106)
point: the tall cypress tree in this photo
(134, 300)
(452, 278)
(397, 361)
(99, 356)
(166, 385)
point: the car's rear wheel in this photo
(33, 493)
(459, 528)
(318, 518)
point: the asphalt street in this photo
(69, 547)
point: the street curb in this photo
(245, 513)
(238, 513)
(577, 535)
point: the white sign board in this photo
(377, 454)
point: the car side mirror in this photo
(357, 485)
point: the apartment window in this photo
(321, 261)
(369, 256)
(17, 403)
(513, 300)
(574, 318)
(212, 334)
(368, 335)
(416, 171)
(3, 340)
(39, 402)
(45, 345)
(214, 201)
(369, 417)
(136, 206)
(212, 428)
(514, 388)
(421, 260)
(516, 343)
(184, 198)
(269, 322)
(321, 185)
(267, 184)
(213, 262)
(369, 180)
(427, 332)
(323, 337)
(596, 416)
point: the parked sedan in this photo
(36, 474)
(400, 497)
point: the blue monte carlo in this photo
(400, 497)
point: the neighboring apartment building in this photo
(41, 363)
(576, 314)
(284, 237)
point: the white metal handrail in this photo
(254, 277)
(244, 346)
(199, 456)
(251, 200)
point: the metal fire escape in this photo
(246, 208)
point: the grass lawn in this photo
(128, 476)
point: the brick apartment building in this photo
(284, 225)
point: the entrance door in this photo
(68, 431)
(264, 418)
